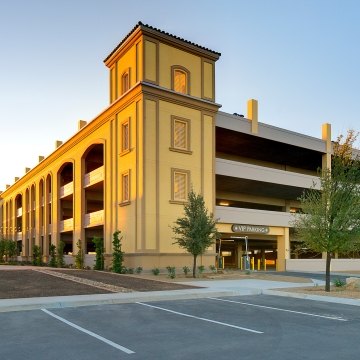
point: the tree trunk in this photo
(327, 276)
(194, 267)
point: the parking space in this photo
(246, 327)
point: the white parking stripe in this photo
(285, 310)
(109, 342)
(200, 318)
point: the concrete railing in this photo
(260, 173)
(67, 189)
(94, 176)
(233, 215)
(93, 219)
(66, 225)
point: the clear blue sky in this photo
(300, 59)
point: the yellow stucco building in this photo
(131, 167)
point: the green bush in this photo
(8, 250)
(99, 250)
(213, 269)
(52, 253)
(138, 270)
(36, 255)
(155, 271)
(171, 272)
(79, 257)
(339, 283)
(118, 255)
(186, 270)
(60, 261)
(201, 269)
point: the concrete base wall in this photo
(319, 265)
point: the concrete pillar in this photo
(252, 114)
(283, 250)
(55, 235)
(78, 205)
(37, 230)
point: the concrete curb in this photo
(56, 302)
(330, 299)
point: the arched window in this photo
(180, 79)
(125, 82)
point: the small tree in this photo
(79, 257)
(36, 253)
(8, 249)
(331, 219)
(60, 255)
(99, 250)
(118, 255)
(196, 231)
(52, 253)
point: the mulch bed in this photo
(129, 282)
(30, 283)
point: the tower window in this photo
(125, 136)
(180, 185)
(180, 79)
(125, 82)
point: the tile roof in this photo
(139, 24)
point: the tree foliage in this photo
(8, 249)
(99, 251)
(80, 255)
(118, 254)
(330, 222)
(196, 231)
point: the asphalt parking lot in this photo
(239, 327)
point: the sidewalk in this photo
(215, 288)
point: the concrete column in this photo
(78, 204)
(240, 255)
(55, 235)
(46, 224)
(37, 230)
(283, 250)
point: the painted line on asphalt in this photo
(200, 318)
(279, 309)
(106, 341)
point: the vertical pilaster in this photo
(55, 236)
(326, 136)
(78, 205)
(252, 114)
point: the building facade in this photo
(131, 167)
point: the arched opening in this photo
(93, 195)
(48, 202)
(66, 206)
(19, 222)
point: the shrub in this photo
(99, 250)
(186, 270)
(138, 270)
(79, 257)
(213, 269)
(36, 254)
(201, 269)
(155, 271)
(52, 251)
(60, 255)
(118, 255)
(8, 249)
(171, 272)
(339, 283)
